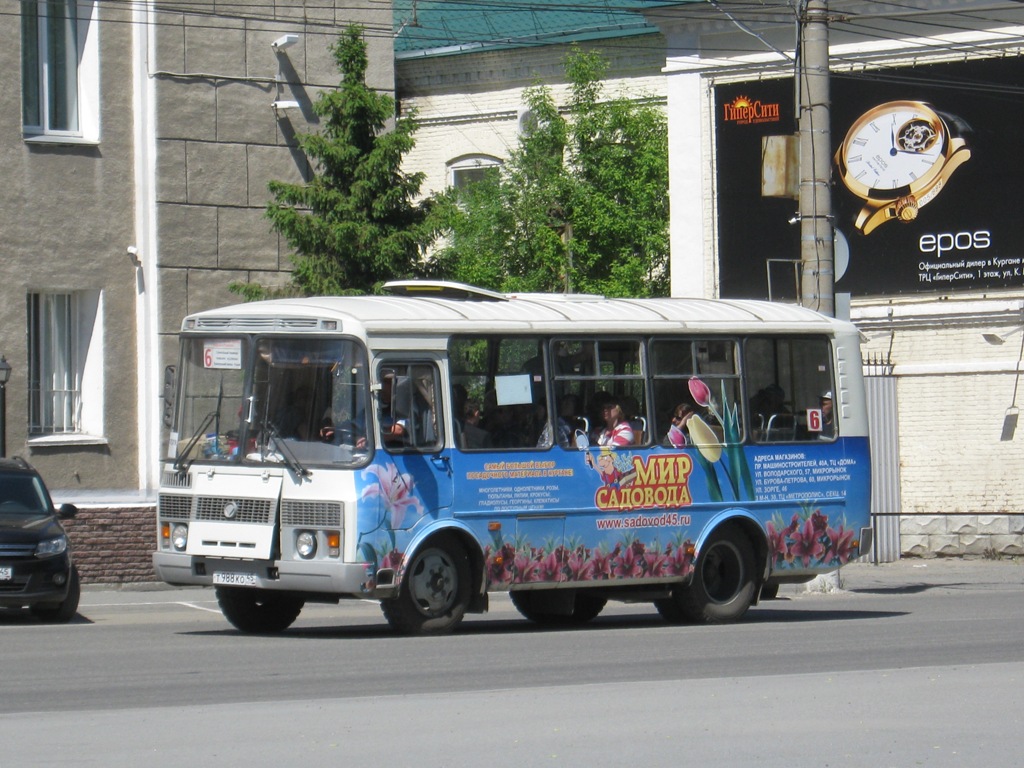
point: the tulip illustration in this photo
(709, 445)
(700, 392)
(704, 438)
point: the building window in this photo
(470, 169)
(59, 64)
(62, 329)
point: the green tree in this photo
(581, 204)
(355, 223)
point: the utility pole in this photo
(817, 250)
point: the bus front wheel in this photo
(723, 584)
(435, 590)
(256, 611)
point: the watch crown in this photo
(906, 208)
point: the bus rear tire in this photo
(723, 584)
(586, 607)
(255, 611)
(435, 590)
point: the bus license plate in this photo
(235, 579)
(6, 573)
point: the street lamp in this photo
(5, 376)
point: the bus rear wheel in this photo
(723, 584)
(256, 611)
(531, 604)
(435, 590)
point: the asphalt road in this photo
(918, 663)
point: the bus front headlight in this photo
(179, 537)
(305, 544)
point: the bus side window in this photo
(589, 371)
(699, 377)
(500, 392)
(786, 379)
(408, 408)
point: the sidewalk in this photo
(912, 573)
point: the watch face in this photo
(893, 150)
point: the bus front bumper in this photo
(317, 577)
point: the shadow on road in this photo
(23, 616)
(914, 589)
(480, 626)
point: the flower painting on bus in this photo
(809, 540)
(398, 507)
(520, 562)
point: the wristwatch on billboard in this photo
(897, 157)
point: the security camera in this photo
(283, 42)
(133, 256)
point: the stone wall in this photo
(962, 535)
(114, 545)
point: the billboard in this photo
(925, 178)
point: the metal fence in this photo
(880, 387)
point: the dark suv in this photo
(35, 560)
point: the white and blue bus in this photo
(432, 446)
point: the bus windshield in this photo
(272, 400)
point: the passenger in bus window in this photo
(677, 435)
(472, 435)
(828, 427)
(393, 429)
(631, 412)
(569, 419)
(595, 412)
(501, 425)
(563, 428)
(617, 430)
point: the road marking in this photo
(199, 607)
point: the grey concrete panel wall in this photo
(188, 109)
(170, 41)
(170, 172)
(215, 46)
(274, 164)
(245, 240)
(244, 114)
(216, 174)
(188, 236)
(173, 307)
(208, 288)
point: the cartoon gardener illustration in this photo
(615, 469)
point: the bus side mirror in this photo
(169, 372)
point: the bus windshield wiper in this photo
(286, 453)
(181, 460)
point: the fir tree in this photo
(355, 223)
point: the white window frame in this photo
(467, 163)
(84, 85)
(65, 351)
